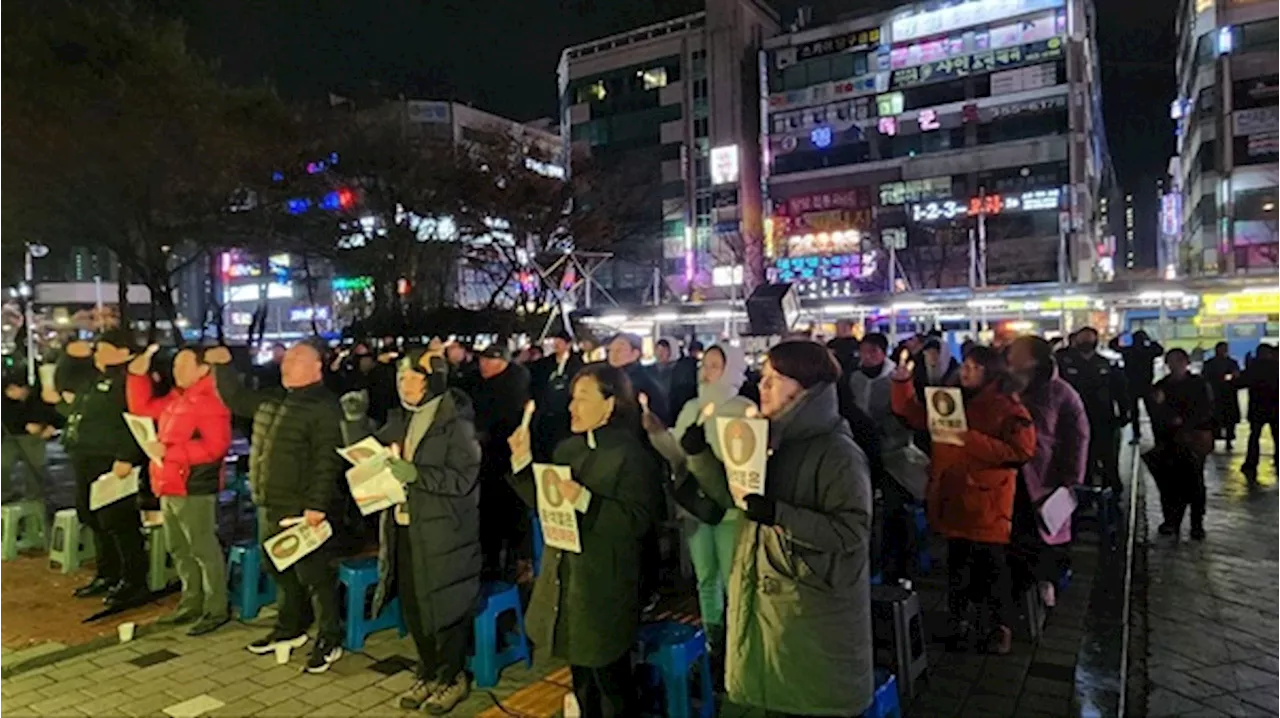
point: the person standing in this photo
(971, 492)
(429, 551)
(1182, 422)
(1105, 393)
(1060, 461)
(193, 434)
(28, 423)
(586, 606)
(293, 469)
(800, 640)
(550, 391)
(624, 352)
(1221, 371)
(90, 392)
(1139, 368)
(1260, 379)
(499, 400)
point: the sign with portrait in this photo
(745, 445)
(556, 513)
(944, 406)
(291, 545)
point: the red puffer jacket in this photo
(195, 428)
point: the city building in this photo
(674, 108)
(901, 144)
(1226, 115)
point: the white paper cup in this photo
(282, 654)
(126, 631)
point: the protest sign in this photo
(144, 432)
(556, 511)
(745, 445)
(291, 545)
(109, 488)
(945, 409)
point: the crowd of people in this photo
(782, 575)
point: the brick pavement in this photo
(1210, 608)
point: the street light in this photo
(25, 290)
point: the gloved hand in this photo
(355, 404)
(694, 441)
(404, 471)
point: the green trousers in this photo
(711, 550)
(191, 528)
(30, 450)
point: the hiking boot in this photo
(1197, 533)
(1167, 529)
(418, 693)
(178, 618)
(1000, 641)
(208, 624)
(271, 641)
(325, 654)
(96, 587)
(448, 696)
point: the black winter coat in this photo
(586, 607)
(95, 417)
(293, 460)
(444, 515)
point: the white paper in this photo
(374, 487)
(143, 429)
(1056, 510)
(288, 547)
(945, 410)
(558, 515)
(367, 449)
(109, 488)
(744, 444)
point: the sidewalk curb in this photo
(9, 670)
(1133, 694)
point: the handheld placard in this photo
(644, 402)
(529, 408)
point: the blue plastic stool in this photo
(535, 531)
(358, 575)
(672, 649)
(923, 557)
(490, 658)
(250, 588)
(885, 702)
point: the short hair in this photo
(876, 339)
(807, 362)
(1177, 351)
(663, 343)
(1041, 349)
(1221, 345)
(695, 346)
(994, 367)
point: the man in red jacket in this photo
(193, 429)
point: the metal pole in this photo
(28, 272)
(973, 279)
(982, 249)
(893, 260)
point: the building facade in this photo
(675, 108)
(899, 145)
(1226, 115)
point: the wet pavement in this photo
(1210, 607)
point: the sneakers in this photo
(1048, 594)
(418, 693)
(266, 645)
(325, 654)
(208, 624)
(445, 698)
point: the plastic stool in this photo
(535, 529)
(884, 704)
(160, 568)
(672, 649)
(923, 557)
(359, 575)
(897, 629)
(490, 658)
(251, 588)
(22, 524)
(72, 542)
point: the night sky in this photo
(501, 55)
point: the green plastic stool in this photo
(72, 542)
(22, 525)
(160, 568)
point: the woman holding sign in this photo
(586, 603)
(430, 545)
(799, 597)
(693, 449)
(971, 489)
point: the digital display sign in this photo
(956, 67)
